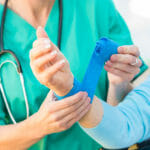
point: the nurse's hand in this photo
(49, 65)
(123, 67)
(56, 116)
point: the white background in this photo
(137, 15)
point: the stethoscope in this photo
(17, 65)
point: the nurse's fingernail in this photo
(62, 61)
(47, 46)
(54, 52)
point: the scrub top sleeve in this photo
(2, 112)
(126, 124)
(119, 32)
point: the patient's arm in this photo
(123, 125)
(116, 93)
(94, 116)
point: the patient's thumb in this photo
(40, 32)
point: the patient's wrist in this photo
(116, 93)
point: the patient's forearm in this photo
(127, 123)
(94, 116)
(116, 93)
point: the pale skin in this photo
(53, 72)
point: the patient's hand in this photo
(49, 65)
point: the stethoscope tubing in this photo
(4, 95)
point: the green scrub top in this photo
(84, 22)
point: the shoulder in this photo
(98, 7)
(98, 3)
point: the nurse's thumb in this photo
(40, 32)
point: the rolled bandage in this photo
(104, 49)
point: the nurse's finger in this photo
(41, 41)
(124, 67)
(45, 61)
(51, 70)
(79, 117)
(126, 59)
(132, 49)
(124, 75)
(75, 116)
(69, 101)
(40, 33)
(37, 52)
(73, 108)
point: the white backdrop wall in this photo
(137, 15)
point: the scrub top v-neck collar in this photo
(16, 25)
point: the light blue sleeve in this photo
(126, 124)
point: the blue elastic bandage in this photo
(76, 88)
(104, 49)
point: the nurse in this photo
(84, 22)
